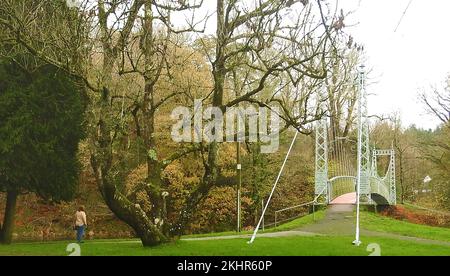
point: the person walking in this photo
(80, 223)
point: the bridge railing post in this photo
(276, 219)
(329, 192)
(314, 211)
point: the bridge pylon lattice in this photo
(321, 166)
(332, 183)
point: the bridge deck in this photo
(347, 199)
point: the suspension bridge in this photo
(346, 176)
(346, 172)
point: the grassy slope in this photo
(284, 227)
(379, 223)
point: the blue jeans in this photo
(80, 233)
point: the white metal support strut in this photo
(321, 166)
(273, 188)
(361, 168)
(321, 154)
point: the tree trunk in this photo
(130, 213)
(8, 222)
(146, 227)
(211, 171)
(219, 74)
(134, 216)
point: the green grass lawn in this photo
(374, 222)
(287, 246)
(282, 246)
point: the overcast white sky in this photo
(416, 56)
(403, 62)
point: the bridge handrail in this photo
(379, 186)
(330, 192)
(314, 202)
(294, 207)
(341, 177)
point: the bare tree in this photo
(125, 37)
(343, 91)
(438, 102)
(285, 43)
(262, 48)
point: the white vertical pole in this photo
(273, 189)
(357, 240)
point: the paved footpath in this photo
(262, 235)
(339, 220)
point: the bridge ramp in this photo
(339, 220)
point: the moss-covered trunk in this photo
(145, 227)
(132, 214)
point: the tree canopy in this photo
(41, 115)
(41, 125)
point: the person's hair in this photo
(81, 209)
